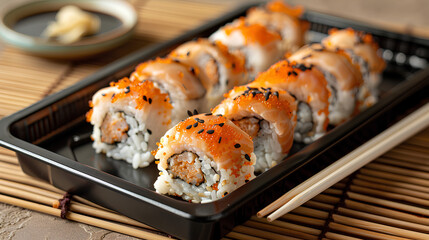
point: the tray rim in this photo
(9, 141)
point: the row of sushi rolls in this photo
(216, 111)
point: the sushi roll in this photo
(310, 88)
(283, 19)
(362, 50)
(128, 118)
(344, 80)
(268, 115)
(203, 158)
(177, 80)
(217, 69)
(260, 46)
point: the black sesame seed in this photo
(267, 95)
(289, 73)
(195, 112)
(276, 94)
(149, 131)
(210, 131)
(233, 65)
(226, 193)
(127, 89)
(219, 115)
(208, 114)
(195, 124)
(145, 98)
(202, 130)
(220, 139)
(247, 157)
(150, 100)
(113, 95)
(221, 124)
(192, 70)
(175, 60)
(188, 127)
(103, 94)
(295, 73)
(200, 120)
(190, 113)
(237, 145)
(246, 181)
(188, 53)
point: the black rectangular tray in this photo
(51, 138)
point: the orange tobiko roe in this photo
(143, 92)
(272, 102)
(253, 33)
(280, 6)
(143, 65)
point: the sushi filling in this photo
(132, 144)
(304, 124)
(194, 178)
(250, 125)
(114, 128)
(183, 166)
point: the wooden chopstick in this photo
(359, 157)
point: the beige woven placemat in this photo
(388, 198)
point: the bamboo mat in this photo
(387, 199)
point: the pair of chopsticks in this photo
(356, 159)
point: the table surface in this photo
(158, 21)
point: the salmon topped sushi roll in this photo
(283, 19)
(203, 158)
(344, 80)
(310, 88)
(217, 69)
(362, 50)
(128, 118)
(177, 80)
(260, 46)
(268, 115)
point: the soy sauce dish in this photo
(22, 25)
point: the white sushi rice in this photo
(309, 126)
(134, 149)
(267, 148)
(204, 192)
(341, 103)
(368, 93)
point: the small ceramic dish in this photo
(22, 25)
